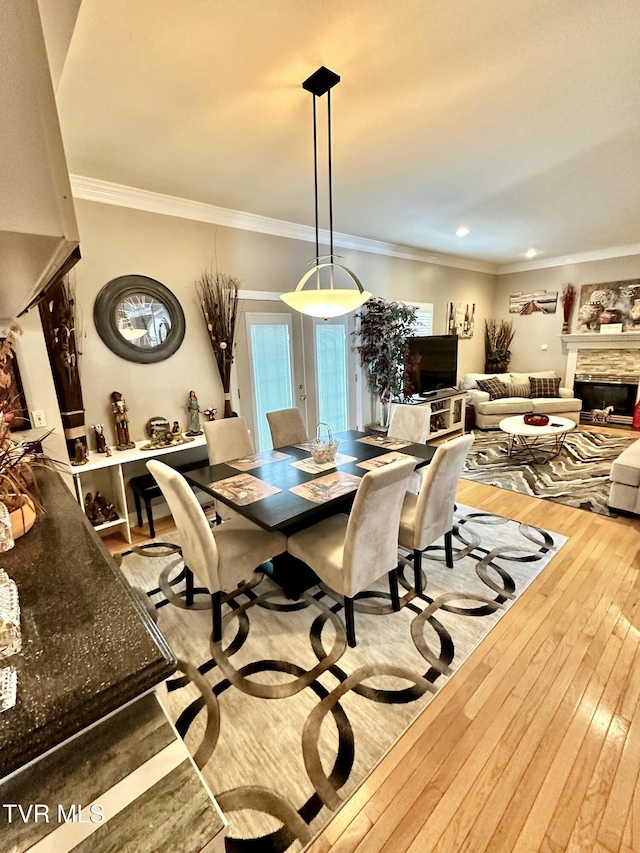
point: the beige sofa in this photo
(625, 480)
(489, 412)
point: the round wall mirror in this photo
(139, 319)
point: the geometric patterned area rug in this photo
(285, 720)
(578, 477)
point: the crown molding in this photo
(579, 258)
(105, 192)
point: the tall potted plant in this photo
(385, 328)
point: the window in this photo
(271, 374)
(331, 366)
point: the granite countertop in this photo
(88, 645)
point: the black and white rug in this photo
(578, 477)
(283, 718)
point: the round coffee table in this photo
(524, 438)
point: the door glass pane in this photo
(331, 362)
(271, 367)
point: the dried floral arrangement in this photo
(17, 459)
(567, 301)
(498, 336)
(218, 295)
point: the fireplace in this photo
(597, 391)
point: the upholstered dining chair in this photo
(429, 515)
(350, 552)
(227, 439)
(410, 423)
(287, 427)
(222, 561)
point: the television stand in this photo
(447, 411)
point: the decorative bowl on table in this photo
(324, 449)
(536, 420)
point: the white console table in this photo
(113, 465)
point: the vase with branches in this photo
(218, 295)
(383, 335)
(498, 335)
(567, 300)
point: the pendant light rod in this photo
(315, 186)
(332, 301)
(330, 175)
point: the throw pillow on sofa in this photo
(494, 388)
(518, 389)
(544, 387)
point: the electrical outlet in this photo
(544, 346)
(39, 418)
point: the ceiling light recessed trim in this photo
(531, 253)
(463, 231)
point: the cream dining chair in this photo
(287, 427)
(227, 439)
(222, 561)
(350, 552)
(410, 423)
(429, 515)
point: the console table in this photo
(114, 465)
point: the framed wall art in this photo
(461, 319)
(539, 301)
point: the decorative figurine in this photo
(105, 509)
(107, 451)
(101, 441)
(175, 429)
(210, 413)
(120, 409)
(81, 453)
(193, 415)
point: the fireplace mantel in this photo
(595, 340)
(621, 342)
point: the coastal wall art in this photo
(542, 301)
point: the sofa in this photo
(489, 412)
(624, 493)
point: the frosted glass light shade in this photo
(329, 301)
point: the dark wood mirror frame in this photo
(105, 314)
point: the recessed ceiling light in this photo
(531, 253)
(462, 231)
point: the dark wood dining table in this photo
(289, 512)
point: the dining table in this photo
(285, 490)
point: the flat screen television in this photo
(432, 363)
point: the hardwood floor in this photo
(534, 745)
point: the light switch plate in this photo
(39, 418)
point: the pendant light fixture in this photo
(328, 300)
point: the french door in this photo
(300, 361)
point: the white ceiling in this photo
(517, 118)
